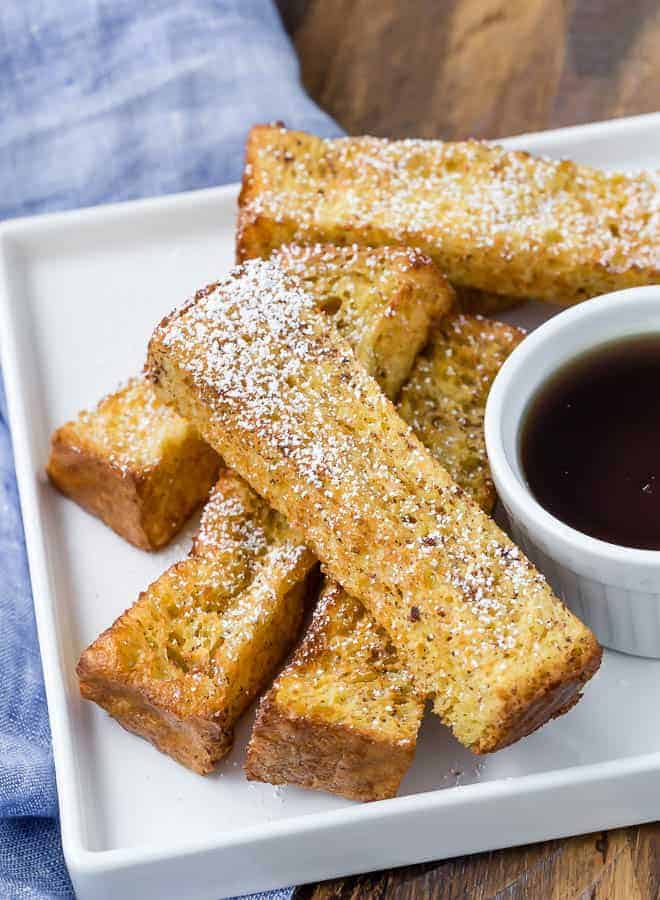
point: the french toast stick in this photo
(343, 715)
(444, 399)
(180, 666)
(267, 380)
(141, 468)
(135, 464)
(495, 220)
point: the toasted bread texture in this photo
(474, 622)
(343, 716)
(492, 219)
(180, 666)
(142, 469)
(135, 464)
(241, 548)
(444, 400)
(382, 300)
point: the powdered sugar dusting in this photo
(286, 404)
(493, 219)
(204, 637)
(257, 348)
(130, 427)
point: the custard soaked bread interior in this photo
(497, 220)
(180, 666)
(343, 716)
(140, 467)
(273, 388)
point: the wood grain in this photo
(615, 865)
(485, 68)
(488, 68)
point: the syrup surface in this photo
(590, 443)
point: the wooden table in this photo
(488, 68)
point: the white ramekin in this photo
(615, 590)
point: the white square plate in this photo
(80, 294)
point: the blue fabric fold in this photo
(101, 101)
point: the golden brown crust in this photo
(553, 697)
(183, 663)
(194, 741)
(311, 732)
(286, 749)
(97, 485)
(342, 716)
(135, 464)
(383, 300)
(498, 221)
(475, 624)
(263, 236)
(444, 399)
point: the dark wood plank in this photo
(612, 62)
(488, 68)
(617, 865)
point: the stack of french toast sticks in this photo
(327, 396)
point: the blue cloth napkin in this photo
(106, 100)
